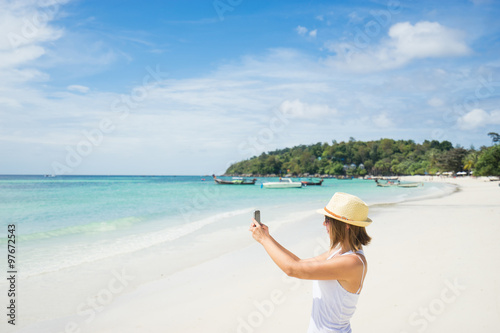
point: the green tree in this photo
(495, 137)
(381, 157)
(433, 157)
(368, 165)
(488, 163)
(382, 167)
(470, 161)
(335, 168)
(452, 160)
(317, 149)
(446, 145)
(387, 147)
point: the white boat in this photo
(408, 185)
(283, 183)
(398, 184)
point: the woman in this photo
(338, 273)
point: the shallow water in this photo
(70, 220)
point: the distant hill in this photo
(381, 157)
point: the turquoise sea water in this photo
(68, 220)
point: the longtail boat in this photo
(235, 181)
(312, 182)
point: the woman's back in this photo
(337, 280)
(333, 306)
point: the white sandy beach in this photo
(432, 268)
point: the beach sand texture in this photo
(432, 268)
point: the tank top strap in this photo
(362, 274)
(357, 256)
(357, 253)
(333, 254)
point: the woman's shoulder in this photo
(354, 258)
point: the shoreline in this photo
(254, 295)
(440, 278)
(163, 232)
(456, 188)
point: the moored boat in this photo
(283, 183)
(312, 182)
(235, 181)
(388, 183)
(410, 184)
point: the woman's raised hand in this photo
(259, 233)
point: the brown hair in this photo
(357, 236)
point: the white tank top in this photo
(333, 306)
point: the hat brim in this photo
(365, 223)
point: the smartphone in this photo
(256, 216)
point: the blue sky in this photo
(188, 87)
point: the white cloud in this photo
(210, 116)
(406, 43)
(24, 29)
(299, 110)
(435, 102)
(21, 55)
(78, 88)
(382, 121)
(301, 30)
(26, 22)
(220, 110)
(320, 18)
(425, 40)
(478, 118)
(10, 102)
(206, 116)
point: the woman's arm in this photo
(342, 268)
(284, 249)
(281, 256)
(320, 257)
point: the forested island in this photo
(379, 158)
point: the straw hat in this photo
(347, 208)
